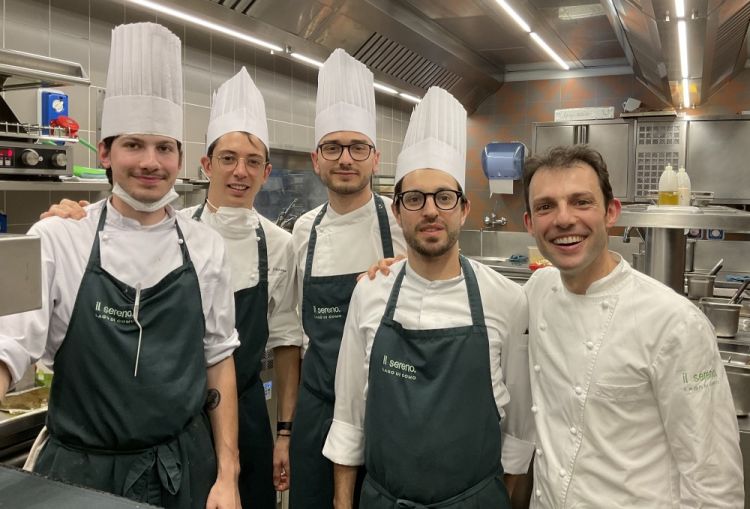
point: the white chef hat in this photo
(346, 97)
(238, 106)
(144, 82)
(436, 137)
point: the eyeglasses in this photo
(228, 162)
(446, 199)
(357, 151)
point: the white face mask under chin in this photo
(143, 206)
(233, 220)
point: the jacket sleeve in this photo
(698, 413)
(284, 325)
(518, 424)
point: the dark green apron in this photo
(325, 302)
(144, 437)
(255, 436)
(432, 429)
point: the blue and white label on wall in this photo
(714, 234)
(267, 389)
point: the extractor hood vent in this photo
(387, 56)
(728, 50)
(241, 6)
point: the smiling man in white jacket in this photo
(630, 398)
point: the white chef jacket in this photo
(631, 401)
(346, 243)
(132, 253)
(424, 304)
(241, 243)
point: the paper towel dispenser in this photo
(502, 163)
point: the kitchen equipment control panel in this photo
(35, 159)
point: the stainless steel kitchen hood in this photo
(470, 47)
(19, 70)
(717, 36)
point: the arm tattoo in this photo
(213, 398)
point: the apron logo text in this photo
(122, 316)
(327, 313)
(398, 369)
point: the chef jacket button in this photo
(538, 452)
(605, 305)
(542, 326)
(562, 472)
(537, 368)
(573, 430)
(579, 390)
(554, 288)
(539, 493)
(534, 409)
(590, 345)
(180, 241)
(104, 236)
(257, 239)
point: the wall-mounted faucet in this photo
(626, 234)
(492, 220)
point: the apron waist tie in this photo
(164, 456)
(402, 503)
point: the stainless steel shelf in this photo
(24, 185)
(725, 218)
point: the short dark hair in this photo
(108, 141)
(212, 146)
(565, 157)
(400, 184)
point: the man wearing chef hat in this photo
(623, 366)
(137, 311)
(263, 280)
(430, 351)
(332, 244)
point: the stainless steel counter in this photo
(515, 271)
(24, 490)
(17, 434)
(714, 216)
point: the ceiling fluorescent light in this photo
(409, 97)
(513, 14)
(573, 12)
(383, 88)
(204, 23)
(685, 93)
(679, 8)
(306, 59)
(549, 51)
(682, 38)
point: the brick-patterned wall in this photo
(508, 116)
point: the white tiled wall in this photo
(79, 30)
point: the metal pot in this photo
(737, 366)
(700, 285)
(724, 316)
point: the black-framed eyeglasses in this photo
(445, 199)
(357, 151)
(228, 162)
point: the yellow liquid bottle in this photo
(668, 194)
(669, 198)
